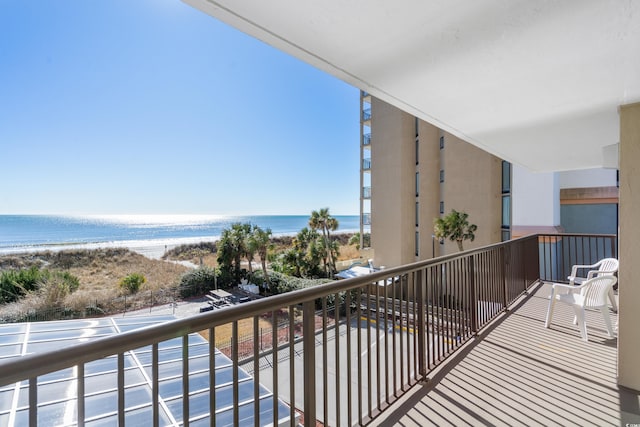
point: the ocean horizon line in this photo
(28, 234)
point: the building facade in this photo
(413, 172)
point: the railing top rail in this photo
(576, 235)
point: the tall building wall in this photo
(392, 183)
(472, 184)
(406, 164)
(429, 198)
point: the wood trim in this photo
(589, 195)
(525, 230)
(589, 201)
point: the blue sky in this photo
(151, 106)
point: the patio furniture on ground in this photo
(606, 266)
(592, 293)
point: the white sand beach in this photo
(153, 249)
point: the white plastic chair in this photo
(606, 266)
(592, 293)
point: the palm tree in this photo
(306, 254)
(322, 220)
(354, 240)
(454, 226)
(232, 246)
(259, 241)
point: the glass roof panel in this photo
(57, 390)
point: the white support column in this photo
(629, 274)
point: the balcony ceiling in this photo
(534, 82)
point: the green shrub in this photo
(191, 251)
(57, 286)
(14, 284)
(132, 282)
(279, 283)
(197, 281)
(70, 282)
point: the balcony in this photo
(519, 373)
(366, 114)
(366, 139)
(366, 192)
(353, 351)
(366, 219)
(366, 164)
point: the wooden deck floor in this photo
(519, 373)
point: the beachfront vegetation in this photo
(279, 283)
(198, 281)
(54, 285)
(260, 242)
(323, 221)
(355, 240)
(311, 255)
(242, 240)
(302, 259)
(84, 282)
(232, 247)
(90, 282)
(132, 282)
(454, 226)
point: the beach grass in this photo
(99, 273)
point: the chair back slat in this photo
(597, 290)
(609, 265)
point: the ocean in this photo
(26, 233)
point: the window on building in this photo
(506, 211)
(441, 175)
(417, 151)
(417, 184)
(417, 126)
(441, 207)
(417, 213)
(506, 177)
(506, 201)
(442, 142)
(417, 243)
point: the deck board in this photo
(519, 373)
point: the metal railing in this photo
(366, 164)
(559, 252)
(366, 139)
(339, 366)
(366, 114)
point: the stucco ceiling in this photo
(535, 82)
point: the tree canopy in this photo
(454, 226)
(323, 221)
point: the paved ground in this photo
(180, 309)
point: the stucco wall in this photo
(535, 198)
(392, 183)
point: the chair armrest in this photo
(568, 287)
(574, 269)
(556, 288)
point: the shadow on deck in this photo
(519, 373)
